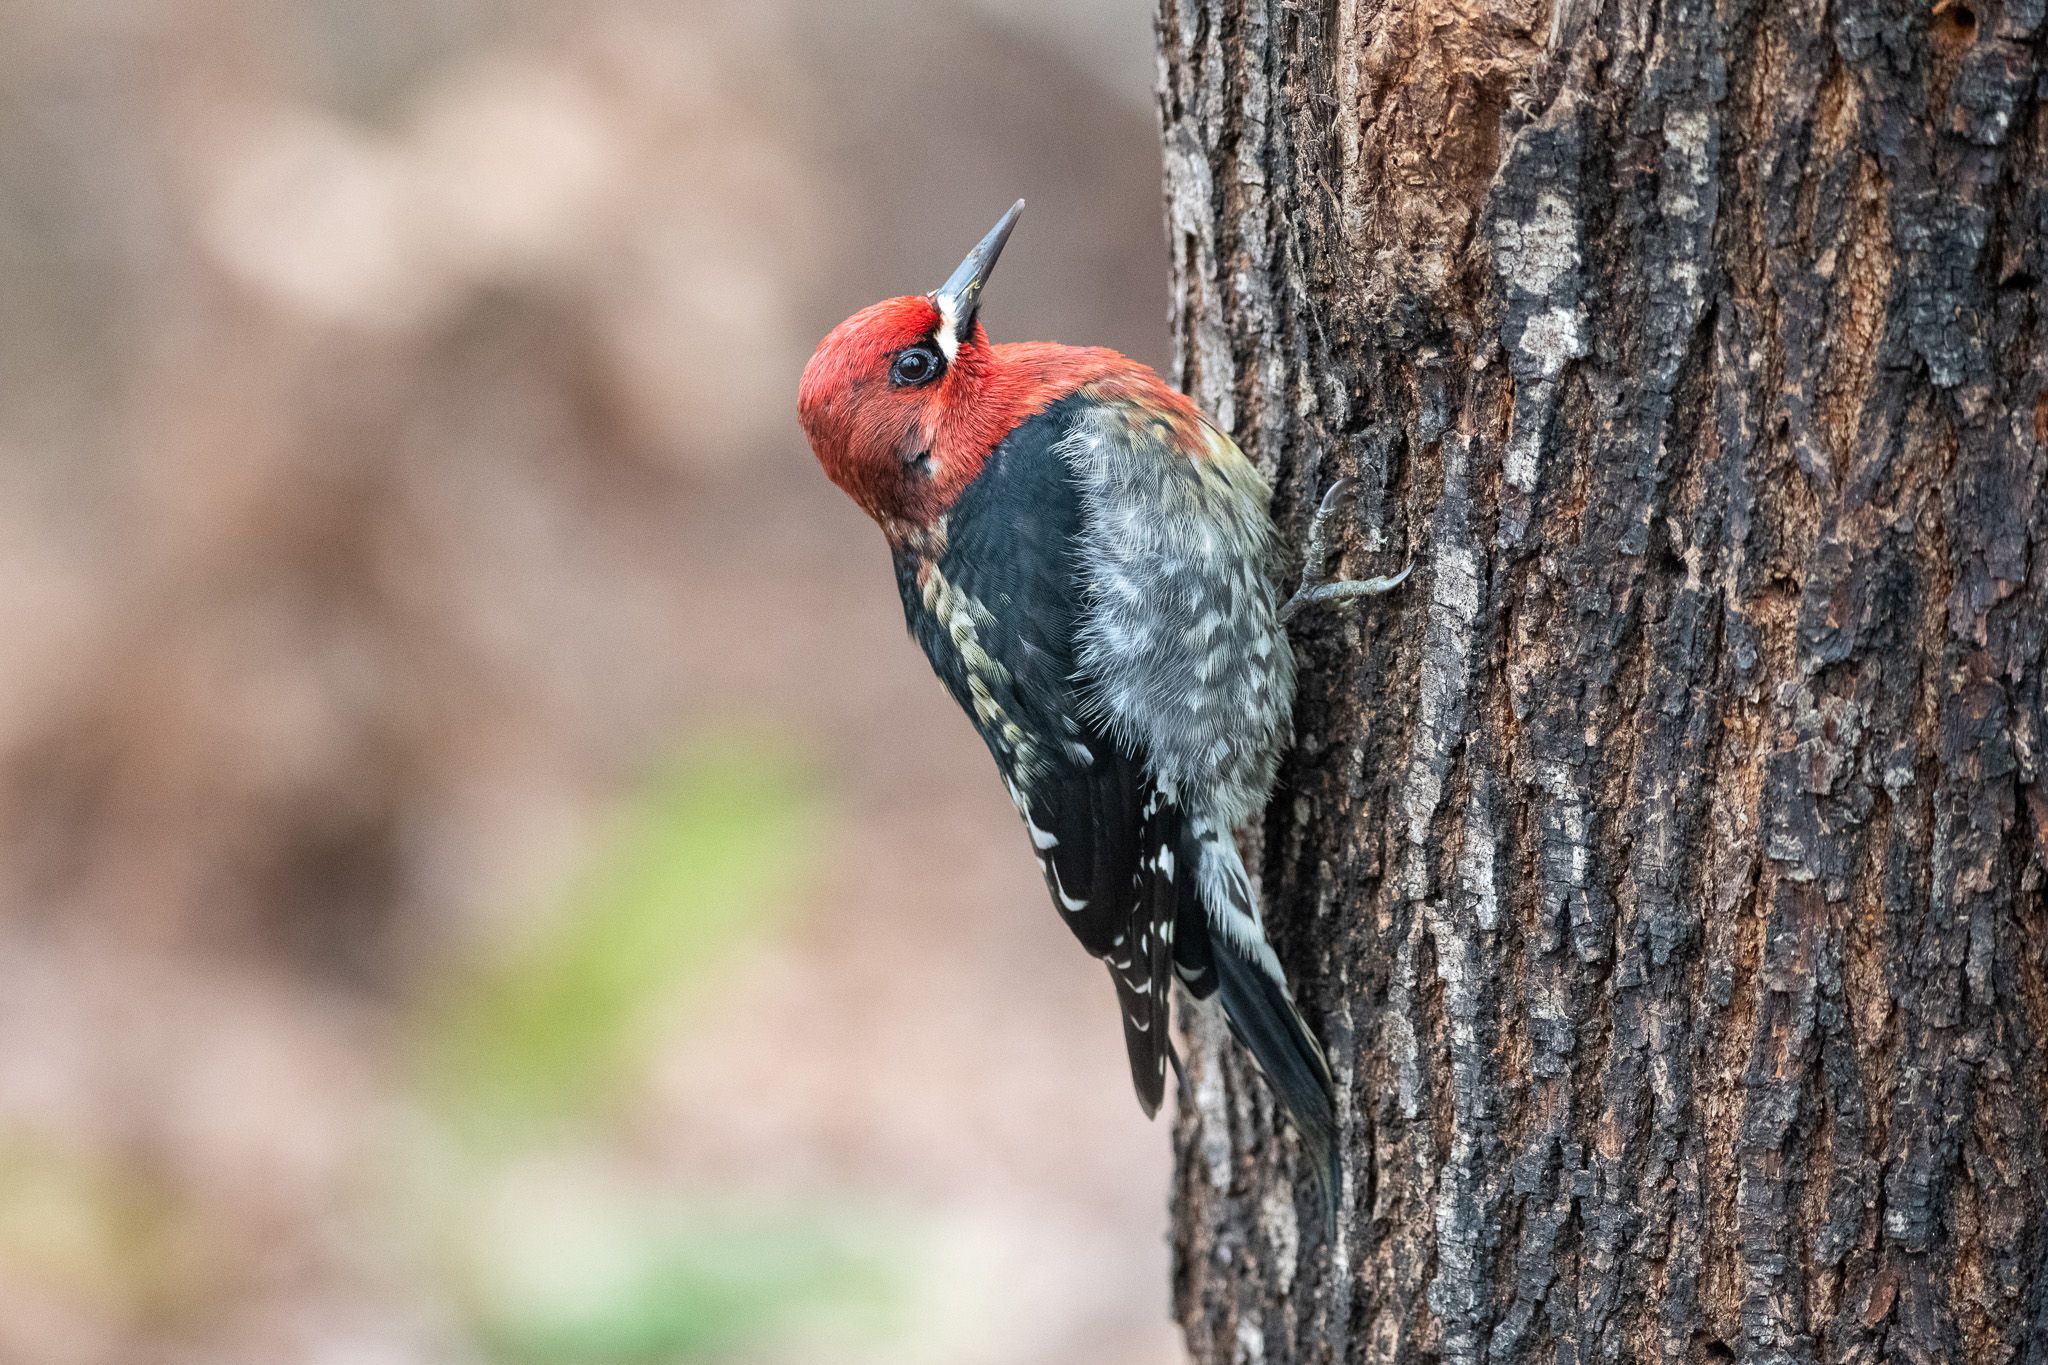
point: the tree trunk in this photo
(1664, 863)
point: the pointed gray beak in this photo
(959, 298)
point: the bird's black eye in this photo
(915, 365)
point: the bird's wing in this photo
(1108, 843)
(997, 613)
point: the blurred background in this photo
(483, 875)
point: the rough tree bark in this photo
(1664, 863)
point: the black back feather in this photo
(1107, 840)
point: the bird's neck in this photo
(1001, 388)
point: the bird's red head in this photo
(904, 401)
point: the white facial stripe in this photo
(949, 327)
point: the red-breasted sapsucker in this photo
(1085, 559)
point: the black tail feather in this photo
(1140, 958)
(1271, 1029)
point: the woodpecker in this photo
(1085, 559)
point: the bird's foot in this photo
(1316, 586)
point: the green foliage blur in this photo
(704, 861)
(555, 1259)
(504, 1181)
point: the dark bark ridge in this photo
(1664, 864)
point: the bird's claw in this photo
(1315, 587)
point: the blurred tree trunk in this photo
(1664, 863)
